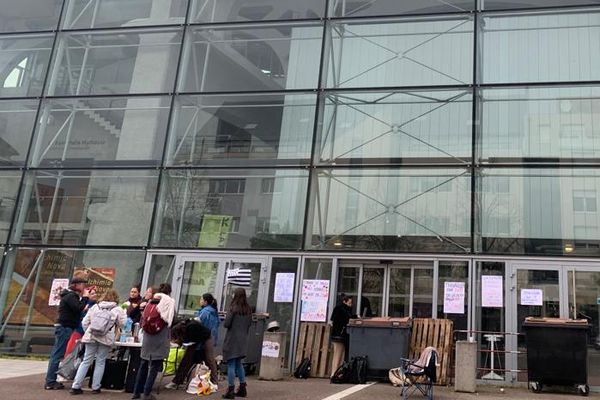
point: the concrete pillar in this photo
(465, 370)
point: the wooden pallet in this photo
(436, 333)
(313, 342)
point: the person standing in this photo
(209, 317)
(237, 323)
(133, 308)
(72, 302)
(339, 336)
(155, 345)
(97, 345)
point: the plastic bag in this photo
(69, 365)
(201, 384)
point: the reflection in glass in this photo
(536, 124)
(235, 129)
(422, 293)
(516, 4)
(391, 209)
(251, 291)
(231, 209)
(347, 284)
(407, 53)
(539, 211)
(396, 127)
(453, 271)
(29, 15)
(371, 301)
(399, 298)
(206, 11)
(261, 57)
(136, 61)
(17, 118)
(100, 131)
(363, 8)
(541, 48)
(80, 207)
(24, 60)
(9, 187)
(83, 14)
(161, 270)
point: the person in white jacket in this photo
(97, 346)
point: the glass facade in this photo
(436, 127)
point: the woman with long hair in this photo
(237, 323)
(339, 337)
(133, 304)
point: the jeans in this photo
(146, 376)
(234, 366)
(100, 352)
(61, 338)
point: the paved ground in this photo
(29, 386)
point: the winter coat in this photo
(156, 347)
(209, 317)
(109, 338)
(133, 309)
(340, 317)
(70, 308)
(236, 338)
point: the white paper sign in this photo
(58, 285)
(492, 291)
(532, 297)
(270, 349)
(284, 287)
(454, 297)
(315, 296)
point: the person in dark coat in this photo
(72, 302)
(237, 323)
(133, 304)
(135, 311)
(339, 336)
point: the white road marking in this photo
(349, 391)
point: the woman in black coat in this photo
(339, 336)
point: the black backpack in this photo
(343, 374)
(303, 370)
(360, 365)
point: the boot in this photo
(230, 393)
(241, 392)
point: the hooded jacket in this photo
(109, 338)
(209, 317)
(70, 308)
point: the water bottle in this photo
(136, 331)
(128, 326)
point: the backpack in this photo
(359, 364)
(343, 374)
(102, 321)
(303, 370)
(152, 322)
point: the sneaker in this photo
(96, 391)
(172, 385)
(54, 386)
(135, 396)
(76, 391)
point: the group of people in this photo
(96, 323)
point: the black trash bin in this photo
(556, 353)
(383, 340)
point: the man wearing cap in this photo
(72, 301)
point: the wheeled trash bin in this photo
(556, 353)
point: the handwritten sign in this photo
(315, 296)
(284, 287)
(454, 297)
(532, 297)
(58, 285)
(492, 291)
(270, 349)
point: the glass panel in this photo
(423, 293)
(371, 301)
(396, 127)
(9, 187)
(101, 131)
(516, 4)
(24, 61)
(251, 291)
(115, 63)
(319, 268)
(242, 130)
(348, 278)
(17, 118)
(34, 270)
(199, 277)
(541, 124)
(363, 8)
(545, 281)
(392, 210)
(206, 11)
(83, 14)
(403, 53)
(584, 303)
(29, 15)
(399, 301)
(161, 270)
(540, 211)
(541, 48)
(232, 209)
(263, 57)
(453, 271)
(86, 208)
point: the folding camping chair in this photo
(419, 374)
